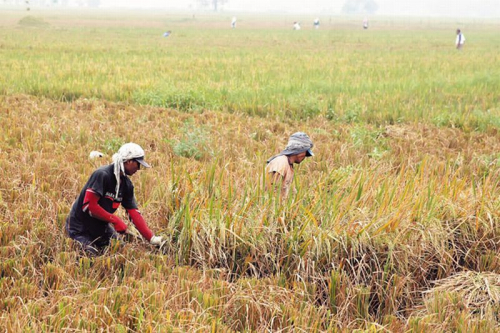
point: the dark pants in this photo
(92, 245)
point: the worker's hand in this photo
(156, 240)
(118, 224)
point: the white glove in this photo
(156, 240)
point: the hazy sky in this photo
(490, 8)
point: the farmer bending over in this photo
(91, 221)
(281, 166)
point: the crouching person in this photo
(91, 221)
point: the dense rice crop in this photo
(393, 224)
(388, 74)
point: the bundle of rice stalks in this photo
(479, 292)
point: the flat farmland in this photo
(392, 226)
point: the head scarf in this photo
(126, 152)
(299, 142)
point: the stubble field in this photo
(393, 225)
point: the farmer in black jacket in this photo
(91, 221)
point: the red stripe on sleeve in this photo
(95, 210)
(140, 224)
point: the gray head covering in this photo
(298, 143)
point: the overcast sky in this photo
(462, 8)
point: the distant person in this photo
(233, 22)
(316, 23)
(365, 23)
(166, 34)
(296, 25)
(92, 222)
(280, 167)
(459, 42)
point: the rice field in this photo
(392, 226)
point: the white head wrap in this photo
(126, 152)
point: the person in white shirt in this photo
(459, 42)
(316, 23)
(233, 22)
(296, 26)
